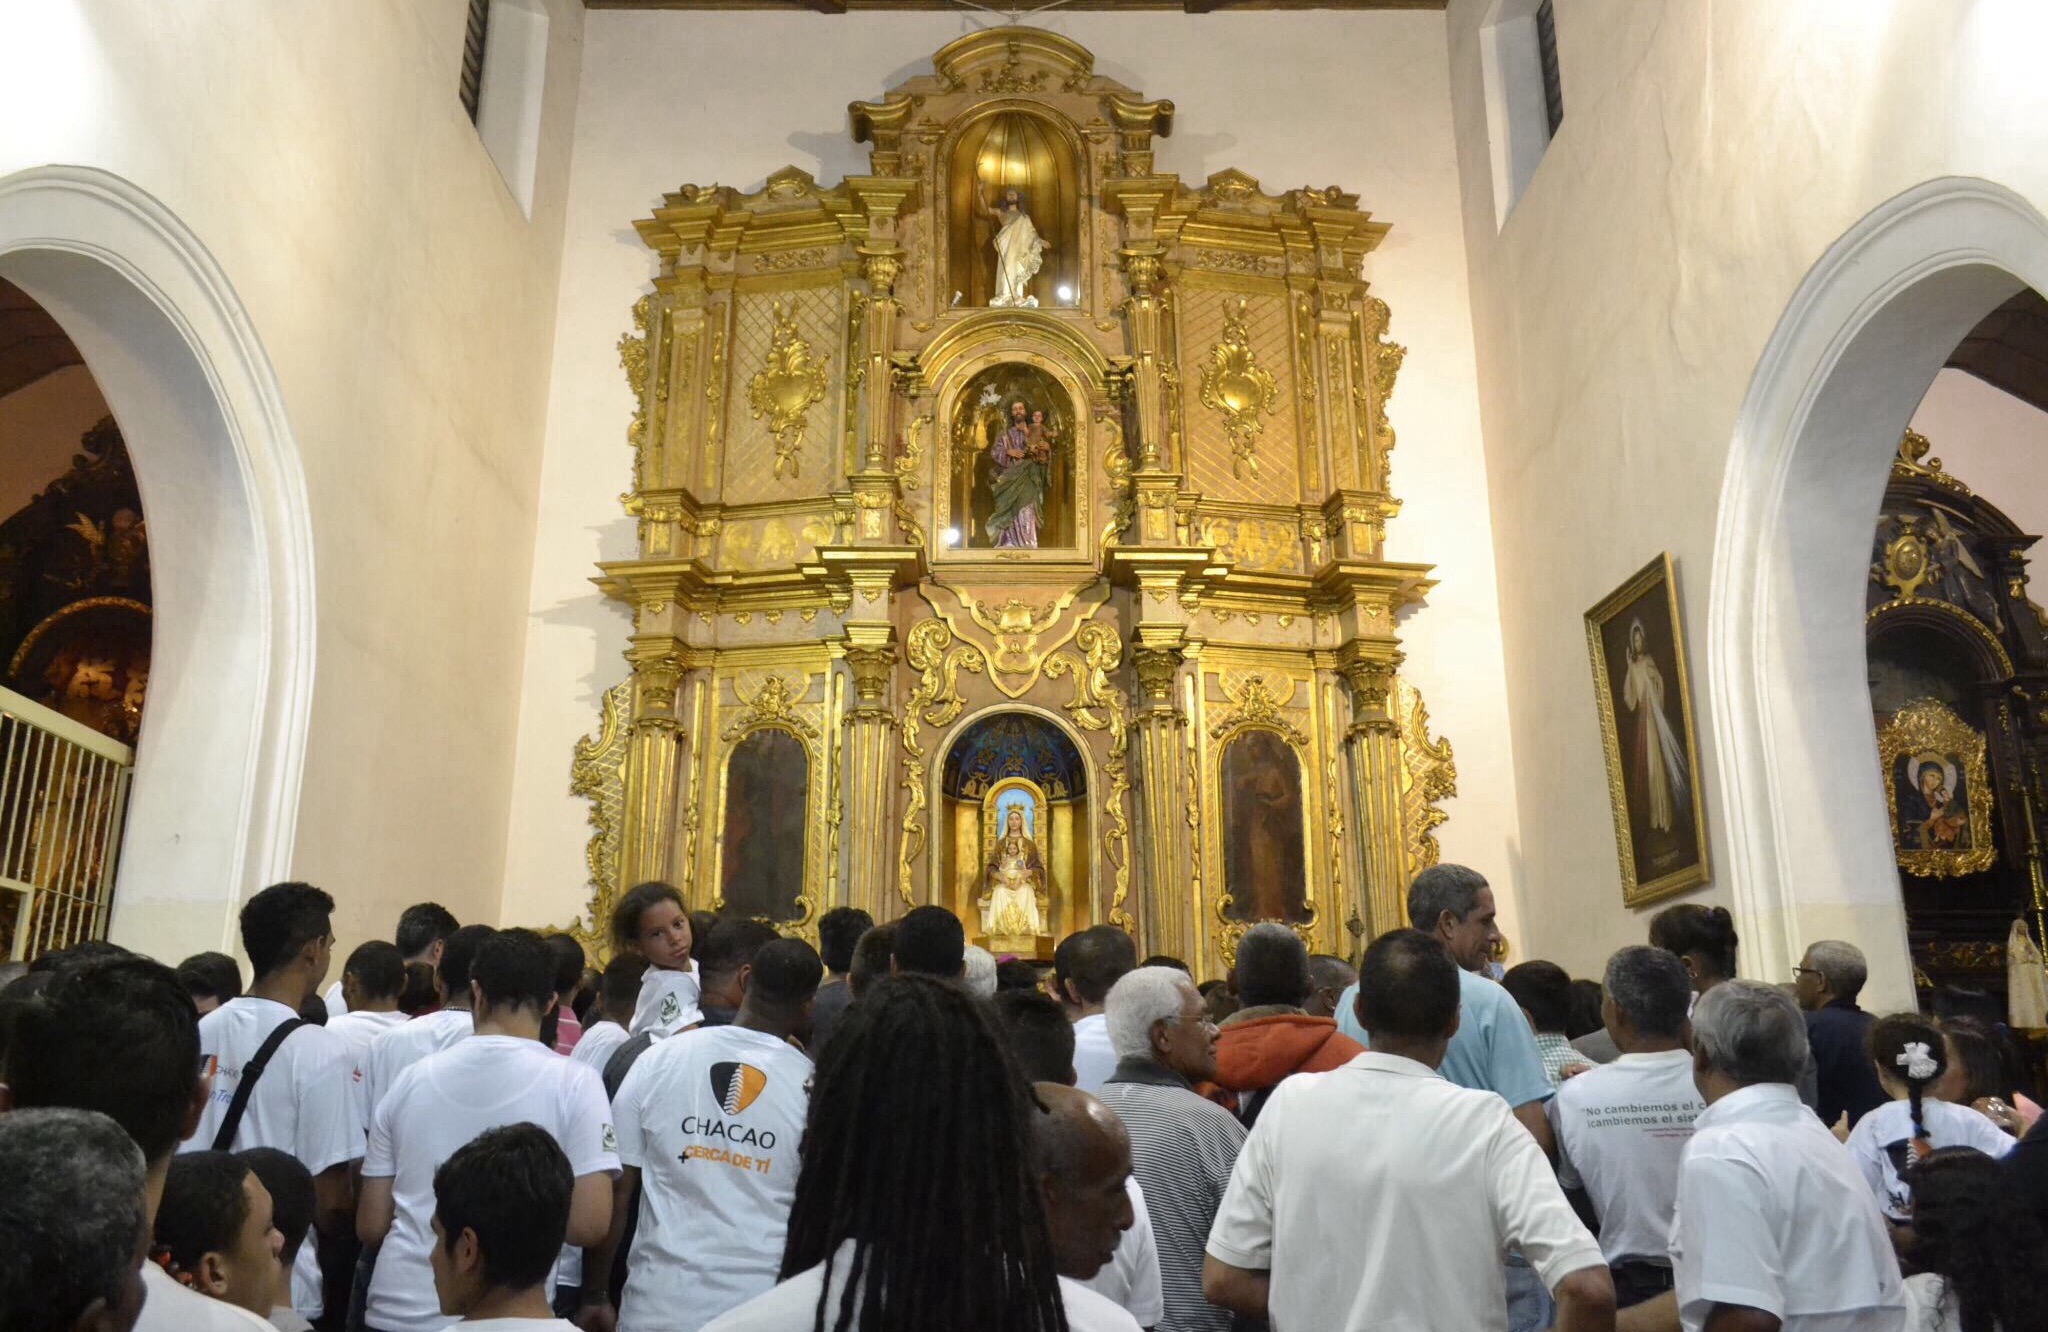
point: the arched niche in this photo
(222, 746)
(988, 755)
(1023, 148)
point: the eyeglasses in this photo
(1797, 972)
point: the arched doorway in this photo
(1810, 847)
(219, 755)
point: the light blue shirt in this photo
(1494, 1049)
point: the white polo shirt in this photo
(1094, 1058)
(793, 1305)
(1131, 1277)
(1774, 1215)
(439, 1105)
(1621, 1132)
(1382, 1197)
(712, 1118)
(397, 1050)
(1891, 1124)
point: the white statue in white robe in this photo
(1020, 250)
(1012, 881)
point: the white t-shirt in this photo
(516, 1325)
(600, 1041)
(1929, 1306)
(1094, 1060)
(1773, 1215)
(1621, 1133)
(1948, 1125)
(1131, 1277)
(362, 1026)
(170, 1307)
(305, 1102)
(668, 1001)
(1316, 1198)
(793, 1305)
(405, 1045)
(712, 1118)
(435, 1108)
(336, 1004)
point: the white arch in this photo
(216, 789)
(1808, 846)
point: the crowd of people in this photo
(730, 1130)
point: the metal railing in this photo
(63, 795)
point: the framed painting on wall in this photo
(1645, 700)
(1937, 792)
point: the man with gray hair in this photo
(1622, 1127)
(73, 1227)
(1776, 1229)
(1826, 982)
(978, 974)
(1182, 1146)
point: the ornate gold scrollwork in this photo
(785, 388)
(1096, 706)
(935, 701)
(1429, 774)
(1116, 464)
(1236, 385)
(633, 359)
(598, 774)
(1256, 705)
(773, 704)
(1912, 461)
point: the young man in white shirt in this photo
(1085, 967)
(1776, 1230)
(1622, 1127)
(709, 1121)
(500, 1075)
(371, 980)
(394, 1051)
(1380, 1195)
(618, 991)
(501, 1210)
(120, 1037)
(423, 930)
(305, 1098)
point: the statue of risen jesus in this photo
(1020, 250)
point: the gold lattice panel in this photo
(749, 443)
(1209, 457)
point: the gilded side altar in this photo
(1119, 537)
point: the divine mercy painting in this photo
(1013, 458)
(1646, 727)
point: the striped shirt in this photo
(1182, 1151)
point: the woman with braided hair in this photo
(1977, 1256)
(1911, 1057)
(917, 1208)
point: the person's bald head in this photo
(1082, 1156)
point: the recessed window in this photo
(504, 73)
(1524, 94)
(473, 39)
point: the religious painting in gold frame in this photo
(1637, 643)
(1936, 791)
(764, 830)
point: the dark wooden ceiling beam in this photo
(904, 6)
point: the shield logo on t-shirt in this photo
(737, 1086)
(671, 1008)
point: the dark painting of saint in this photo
(767, 790)
(1934, 812)
(1263, 868)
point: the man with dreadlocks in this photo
(917, 1208)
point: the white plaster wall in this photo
(1361, 100)
(40, 426)
(322, 156)
(1709, 155)
(1993, 442)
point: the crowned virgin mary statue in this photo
(1012, 881)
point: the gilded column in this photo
(1373, 748)
(1164, 851)
(654, 759)
(870, 751)
(872, 480)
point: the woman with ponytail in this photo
(1911, 1057)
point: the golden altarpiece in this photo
(960, 532)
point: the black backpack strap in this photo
(225, 1139)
